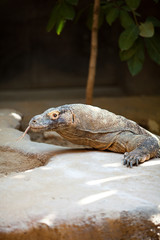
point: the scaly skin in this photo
(100, 129)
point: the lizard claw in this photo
(131, 159)
(124, 161)
(134, 158)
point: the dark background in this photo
(32, 58)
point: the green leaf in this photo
(146, 29)
(126, 8)
(61, 12)
(128, 37)
(60, 26)
(112, 15)
(107, 6)
(133, 4)
(53, 17)
(153, 48)
(126, 19)
(126, 55)
(154, 20)
(67, 11)
(72, 2)
(140, 49)
(135, 63)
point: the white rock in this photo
(10, 118)
(75, 186)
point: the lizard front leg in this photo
(136, 148)
(145, 150)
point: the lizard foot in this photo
(134, 158)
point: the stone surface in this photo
(74, 194)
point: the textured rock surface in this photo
(77, 194)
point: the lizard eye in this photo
(54, 115)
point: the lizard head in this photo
(52, 119)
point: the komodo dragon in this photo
(100, 129)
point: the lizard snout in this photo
(36, 122)
(40, 122)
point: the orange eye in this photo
(54, 114)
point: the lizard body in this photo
(100, 129)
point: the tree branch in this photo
(93, 54)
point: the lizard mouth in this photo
(38, 129)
